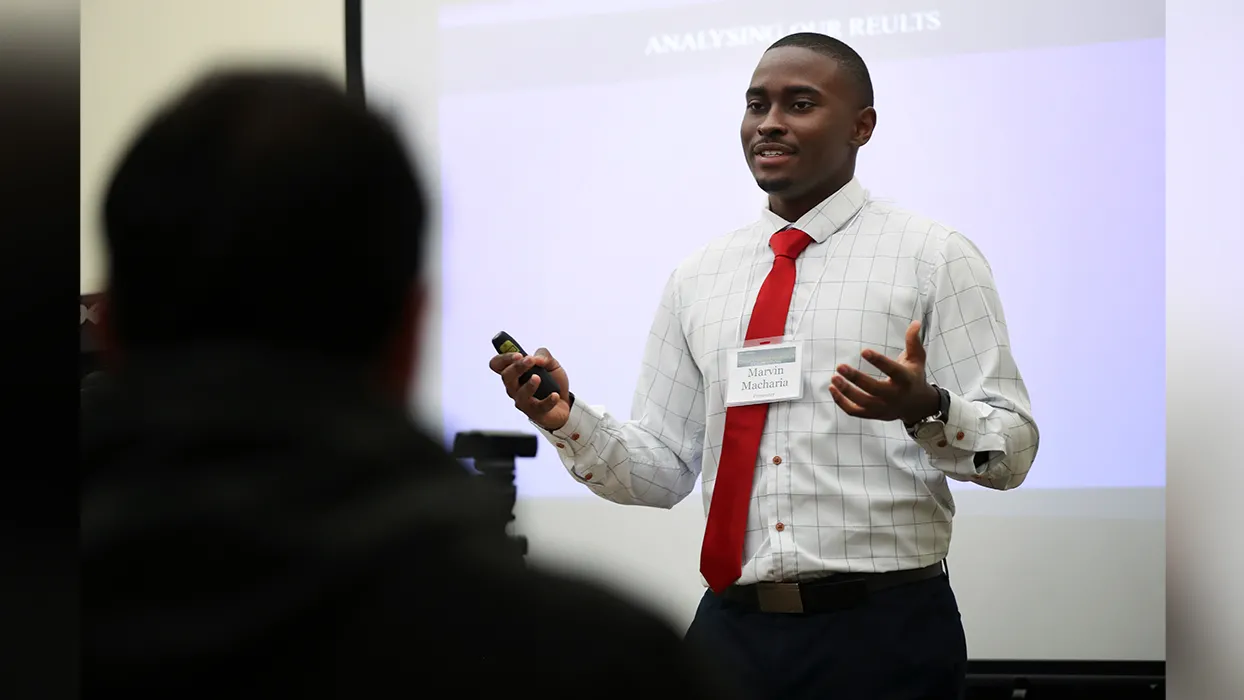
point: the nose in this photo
(771, 125)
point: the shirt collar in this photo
(826, 218)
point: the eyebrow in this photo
(789, 91)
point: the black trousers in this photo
(904, 643)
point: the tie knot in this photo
(789, 242)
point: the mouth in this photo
(771, 154)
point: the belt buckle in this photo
(779, 597)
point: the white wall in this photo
(136, 53)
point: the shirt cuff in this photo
(573, 438)
(954, 444)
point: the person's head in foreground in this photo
(257, 521)
(809, 111)
(270, 211)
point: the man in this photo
(824, 370)
(260, 516)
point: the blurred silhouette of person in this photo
(259, 513)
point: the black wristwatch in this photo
(943, 411)
(943, 406)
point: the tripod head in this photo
(494, 454)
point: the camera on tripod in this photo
(494, 454)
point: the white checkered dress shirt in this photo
(832, 493)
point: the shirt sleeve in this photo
(988, 435)
(654, 458)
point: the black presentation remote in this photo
(505, 344)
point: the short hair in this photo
(264, 207)
(850, 61)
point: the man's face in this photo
(802, 124)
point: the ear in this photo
(104, 334)
(413, 316)
(401, 366)
(865, 122)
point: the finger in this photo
(915, 348)
(546, 360)
(545, 405)
(857, 396)
(847, 406)
(872, 385)
(512, 371)
(524, 397)
(892, 368)
(511, 374)
(498, 363)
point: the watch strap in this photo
(943, 411)
(943, 407)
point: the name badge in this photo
(768, 372)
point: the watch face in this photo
(929, 430)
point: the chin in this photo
(774, 184)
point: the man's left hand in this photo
(904, 395)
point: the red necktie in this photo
(721, 557)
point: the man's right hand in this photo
(553, 411)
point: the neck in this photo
(791, 208)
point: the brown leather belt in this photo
(836, 592)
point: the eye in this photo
(802, 105)
(755, 106)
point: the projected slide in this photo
(585, 153)
(605, 148)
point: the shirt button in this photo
(941, 443)
(777, 460)
(560, 445)
(779, 527)
(575, 437)
(959, 435)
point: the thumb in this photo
(545, 359)
(915, 348)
